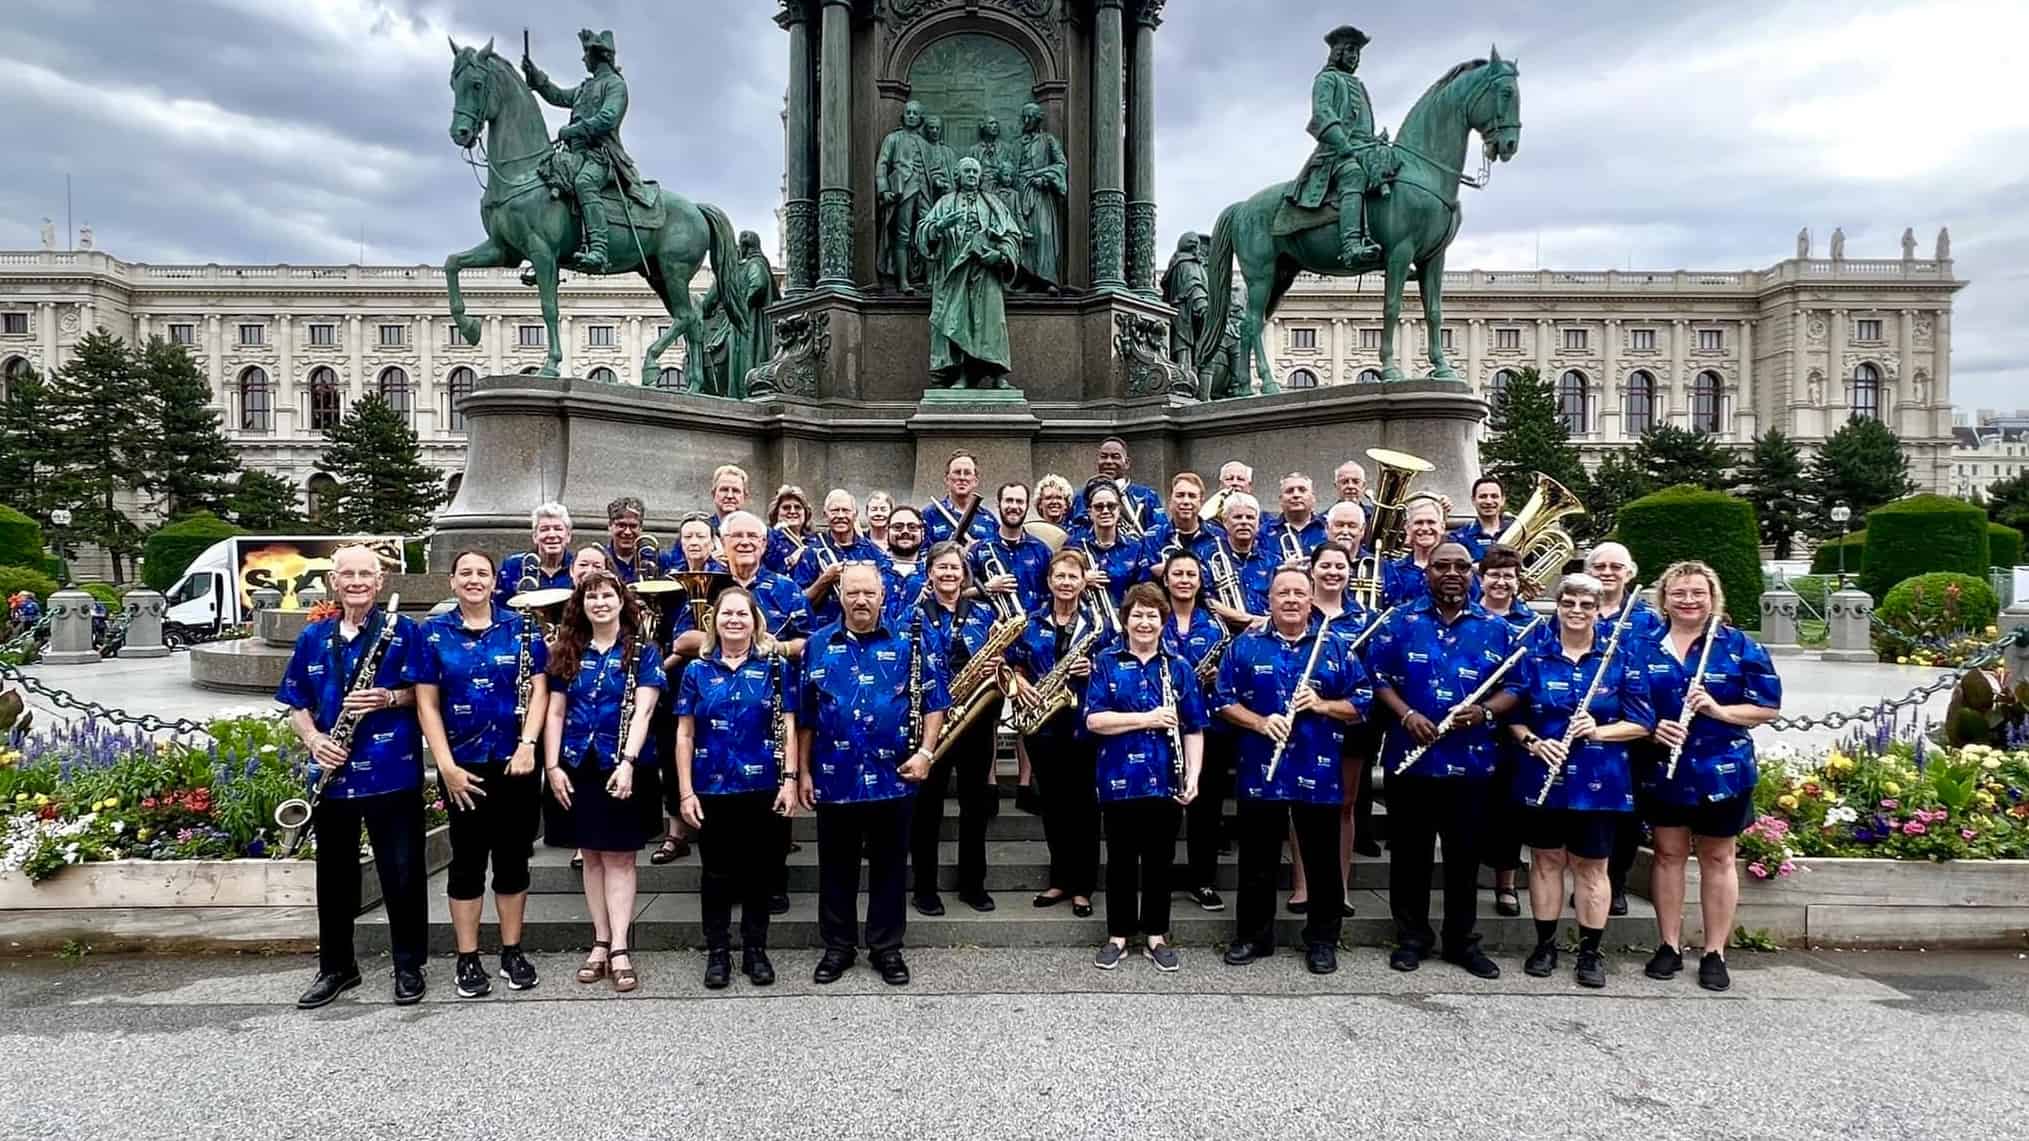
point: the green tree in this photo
(98, 409)
(1861, 465)
(190, 464)
(2007, 501)
(1671, 456)
(384, 485)
(1527, 436)
(1773, 480)
(263, 501)
(1615, 483)
(28, 445)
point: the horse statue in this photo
(665, 244)
(1412, 226)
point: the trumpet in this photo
(1215, 505)
(1225, 578)
(294, 818)
(1544, 545)
(1290, 544)
(1004, 605)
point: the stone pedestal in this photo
(70, 629)
(144, 624)
(1849, 615)
(1779, 609)
(2013, 621)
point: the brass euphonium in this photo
(1215, 505)
(1544, 546)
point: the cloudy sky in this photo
(1696, 135)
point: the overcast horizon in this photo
(1704, 138)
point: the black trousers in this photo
(1421, 810)
(394, 826)
(739, 857)
(970, 761)
(880, 828)
(1141, 843)
(499, 827)
(1501, 844)
(1627, 840)
(1205, 816)
(1363, 741)
(1064, 766)
(1263, 825)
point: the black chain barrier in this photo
(64, 699)
(1867, 714)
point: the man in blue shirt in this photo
(863, 684)
(548, 566)
(1185, 528)
(1013, 563)
(1252, 564)
(362, 732)
(1299, 530)
(1488, 503)
(961, 491)
(623, 540)
(828, 553)
(1259, 692)
(905, 572)
(1144, 514)
(1427, 659)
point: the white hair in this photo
(1242, 499)
(1344, 508)
(726, 524)
(1611, 548)
(1245, 472)
(551, 510)
(840, 495)
(1354, 465)
(1420, 502)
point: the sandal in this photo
(595, 969)
(670, 849)
(624, 978)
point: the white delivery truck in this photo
(216, 591)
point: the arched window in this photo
(394, 388)
(530, 370)
(1302, 378)
(1497, 387)
(457, 387)
(14, 369)
(452, 485)
(321, 497)
(257, 401)
(601, 375)
(1866, 395)
(1368, 376)
(670, 379)
(1707, 403)
(1572, 402)
(327, 408)
(1641, 402)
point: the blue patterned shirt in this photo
(1718, 759)
(782, 606)
(1476, 540)
(900, 588)
(1432, 666)
(1312, 535)
(592, 702)
(1256, 570)
(387, 754)
(1037, 652)
(1595, 777)
(1148, 508)
(1136, 765)
(732, 723)
(1122, 561)
(508, 584)
(827, 610)
(475, 672)
(1155, 547)
(855, 702)
(940, 521)
(1259, 672)
(1027, 559)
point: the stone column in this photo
(494, 349)
(1338, 351)
(144, 610)
(1747, 392)
(1141, 158)
(1848, 615)
(285, 384)
(1941, 357)
(355, 345)
(1612, 401)
(631, 344)
(1475, 329)
(1905, 370)
(1679, 412)
(1543, 350)
(426, 424)
(46, 315)
(799, 207)
(87, 319)
(1109, 199)
(1836, 393)
(566, 345)
(1779, 622)
(834, 150)
(214, 364)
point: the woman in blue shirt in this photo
(1331, 569)
(1575, 761)
(1115, 558)
(1196, 634)
(1061, 747)
(1500, 579)
(735, 766)
(1710, 797)
(960, 627)
(470, 675)
(1144, 706)
(788, 529)
(600, 656)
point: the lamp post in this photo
(60, 518)
(1843, 516)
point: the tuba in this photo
(1214, 506)
(1388, 530)
(1544, 546)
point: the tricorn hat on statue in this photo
(1346, 34)
(599, 41)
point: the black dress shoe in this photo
(1542, 962)
(1045, 899)
(976, 900)
(326, 987)
(929, 904)
(1081, 910)
(1240, 954)
(1618, 906)
(1507, 903)
(755, 965)
(778, 904)
(831, 965)
(1475, 962)
(1298, 906)
(1321, 959)
(1405, 959)
(408, 986)
(894, 971)
(718, 968)
(1367, 848)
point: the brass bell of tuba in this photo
(1544, 546)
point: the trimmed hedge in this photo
(1920, 535)
(1687, 522)
(14, 579)
(105, 592)
(2004, 546)
(1825, 560)
(1920, 613)
(20, 539)
(169, 550)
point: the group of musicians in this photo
(1154, 656)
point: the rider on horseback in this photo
(1350, 160)
(589, 153)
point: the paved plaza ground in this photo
(1026, 1044)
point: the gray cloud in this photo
(1689, 135)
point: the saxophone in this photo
(977, 688)
(1208, 668)
(1053, 692)
(294, 818)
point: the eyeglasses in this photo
(892, 526)
(1106, 507)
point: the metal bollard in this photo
(2013, 620)
(2002, 579)
(70, 629)
(264, 598)
(1779, 608)
(144, 609)
(1849, 614)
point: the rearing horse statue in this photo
(665, 244)
(1413, 226)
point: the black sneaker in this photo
(1542, 962)
(471, 976)
(929, 903)
(1712, 974)
(409, 986)
(1591, 970)
(1405, 959)
(1207, 899)
(327, 986)
(718, 968)
(755, 965)
(516, 969)
(1163, 956)
(1618, 906)
(1475, 962)
(1240, 954)
(1665, 963)
(1109, 955)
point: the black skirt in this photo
(601, 823)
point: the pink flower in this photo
(1786, 868)
(1891, 804)
(1967, 834)
(1914, 828)
(1760, 872)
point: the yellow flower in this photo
(1984, 799)
(1786, 802)
(1892, 789)
(1991, 763)
(1902, 660)
(112, 802)
(143, 834)
(1993, 631)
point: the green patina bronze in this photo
(535, 186)
(731, 351)
(1362, 204)
(973, 245)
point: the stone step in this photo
(1011, 823)
(663, 921)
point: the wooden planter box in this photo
(181, 904)
(1854, 902)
